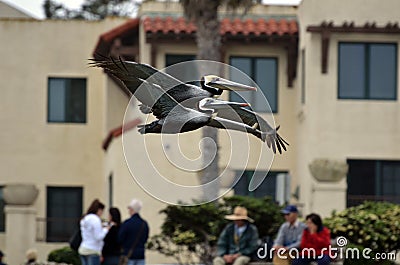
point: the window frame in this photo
(80, 189)
(375, 189)
(245, 174)
(85, 121)
(252, 76)
(366, 90)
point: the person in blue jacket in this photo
(133, 234)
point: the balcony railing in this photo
(55, 229)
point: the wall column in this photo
(327, 197)
(20, 232)
(20, 220)
(329, 191)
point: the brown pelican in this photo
(172, 117)
(188, 95)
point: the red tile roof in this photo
(106, 39)
(233, 27)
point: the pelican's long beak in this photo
(222, 104)
(221, 83)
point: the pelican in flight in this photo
(173, 117)
(142, 79)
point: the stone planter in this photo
(20, 194)
(328, 170)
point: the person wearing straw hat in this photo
(238, 241)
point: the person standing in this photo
(133, 234)
(289, 236)
(112, 249)
(238, 241)
(93, 234)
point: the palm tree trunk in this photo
(205, 16)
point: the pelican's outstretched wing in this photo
(252, 119)
(222, 123)
(131, 73)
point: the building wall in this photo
(333, 128)
(33, 150)
(46, 154)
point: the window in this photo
(110, 189)
(2, 215)
(373, 180)
(64, 209)
(367, 71)
(267, 188)
(264, 71)
(67, 100)
(171, 59)
(182, 73)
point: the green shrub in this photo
(64, 255)
(190, 234)
(374, 225)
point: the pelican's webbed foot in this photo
(153, 127)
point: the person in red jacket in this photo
(315, 242)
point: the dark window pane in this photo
(382, 71)
(361, 177)
(67, 100)
(264, 72)
(57, 95)
(351, 70)
(182, 73)
(64, 208)
(76, 100)
(267, 187)
(243, 65)
(171, 59)
(265, 77)
(391, 180)
(242, 186)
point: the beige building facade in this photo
(79, 151)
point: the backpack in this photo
(76, 239)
